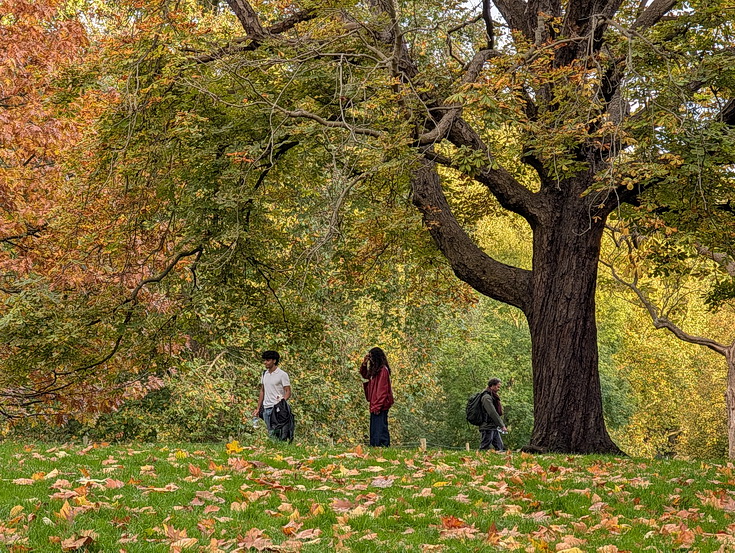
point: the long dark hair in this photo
(376, 361)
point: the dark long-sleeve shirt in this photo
(493, 420)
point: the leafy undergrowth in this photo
(277, 497)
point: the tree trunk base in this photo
(596, 449)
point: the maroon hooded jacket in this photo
(378, 391)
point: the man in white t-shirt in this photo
(274, 386)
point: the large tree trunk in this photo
(557, 297)
(561, 316)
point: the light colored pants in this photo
(267, 418)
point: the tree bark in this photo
(558, 299)
(567, 394)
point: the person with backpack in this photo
(275, 390)
(379, 394)
(493, 424)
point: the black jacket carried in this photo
(282, 421)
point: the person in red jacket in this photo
(378, 392)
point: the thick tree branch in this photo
(653, 14)
(514, 13)
(509, 192)
(445, 123)
(250, 43)
(247, 17)
(486, 275)
(487, 18)
(727, 115)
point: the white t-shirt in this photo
(273, 384)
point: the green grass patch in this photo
(278, 497)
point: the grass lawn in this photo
(279, 497)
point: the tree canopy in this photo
(236, 147)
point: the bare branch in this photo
(302, 114)
(489, 30)
(661, 321)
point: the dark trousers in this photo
(379, 435)
(491, 438)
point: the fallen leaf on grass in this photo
(24, 481)
(254, 539)
(167, 488)
(342, 505)
(254, 496)
(512, 509)
(292, 527)
(113, 484)
(426, 492)
(184, 543)
(382, 482)
(209, 496)
(308, 534)
(233, 447)
(569, 544)
(73, 543)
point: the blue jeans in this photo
(379, 435)
(491, 438)
(267, 418)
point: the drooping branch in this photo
(303, 114)
(661, 321)
(163, 274)
(32, 231)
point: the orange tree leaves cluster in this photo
(74, 258)
(36, 41)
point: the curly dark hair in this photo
(376, 361)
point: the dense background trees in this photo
(229, 192)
